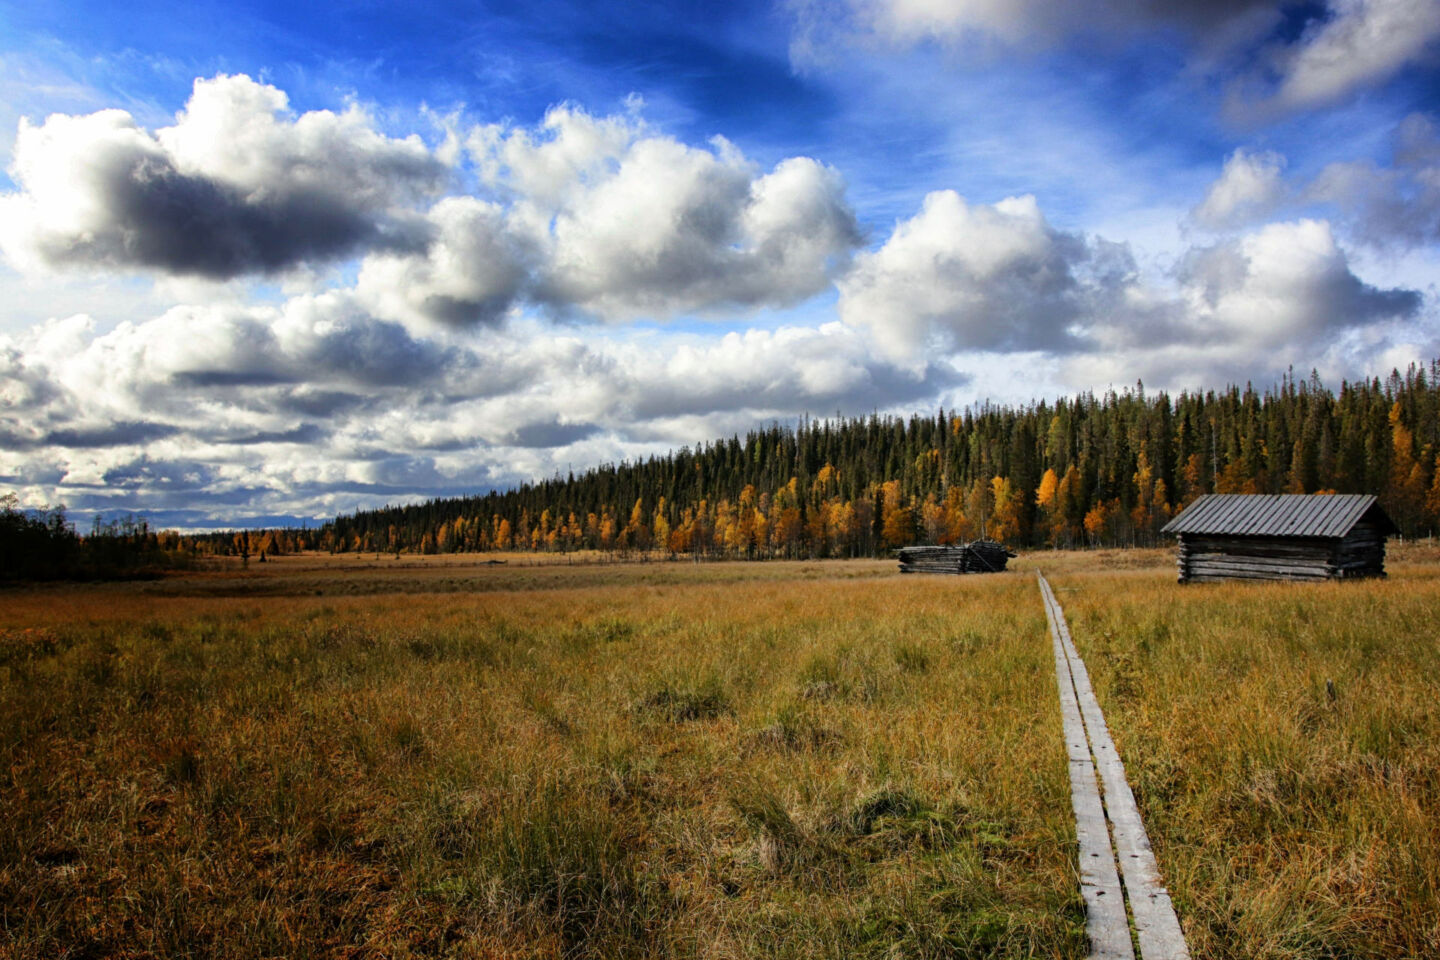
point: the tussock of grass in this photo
(887, 802)
(795, 729)
(679, 703)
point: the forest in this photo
(1106, 470)
(1088, 471)
(43, 545)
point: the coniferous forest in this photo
(1088, 471)
(1105, 470)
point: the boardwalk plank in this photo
(1105, 921)
(1157, 927)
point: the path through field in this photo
(1088, 743)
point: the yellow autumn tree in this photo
(1096, 520)
(979, 502)
(897, 525)
(1406, 496)
(957, 525)
(825, 481)
(660, 529)
(841, 526)
(1005, 520)
(1046, 496)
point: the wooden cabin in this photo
(1237, 536)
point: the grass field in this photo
(1283, 741)
(359, 757)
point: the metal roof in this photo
(1282, 515)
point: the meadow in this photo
(438, 757)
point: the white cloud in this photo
(1249, 306)
(1001, 279)
(1355, 43)
(235, 186)
(1385, 207)
(582, 215)
(314, 405)
(1362, 42)
(1020, 22)
(633, 224)
(1395, 206)
(1283, 286)
(962, 276)
(474, 270)
(1250, 186)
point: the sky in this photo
(265, 263)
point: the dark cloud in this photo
(318, 402)
(374, 353)
(165, 220)
(203, 379)
(191, 477)
(236, 187)
(121, 433)
(110, 435)
(551, 434)
(306, 433)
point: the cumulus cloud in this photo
(596, 215)
(999, 278)
(1388, 206)
(1250, 186)
(236, 186)
(1282, 286)
(627, 223)
(1246, 306)
(582, 215)
(963, 276)
(474, 270)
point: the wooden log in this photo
(1278, 573)
(978, 556)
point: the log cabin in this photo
(1235, 536)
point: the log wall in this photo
(1361, 553)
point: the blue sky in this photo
(265, 260)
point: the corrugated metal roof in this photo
(1283, 515)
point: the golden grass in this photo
(433, 757)
(655, 760)
(1283, 741)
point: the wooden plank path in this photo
(1090, 748)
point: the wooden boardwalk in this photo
(1099, 818)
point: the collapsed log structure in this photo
(1229, 536)
(977, 556)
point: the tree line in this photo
(44, 545)
(1090, 470)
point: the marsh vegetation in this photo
(330, 758)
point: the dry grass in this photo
(1283, 741)
(655, 760)
(440, 758)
